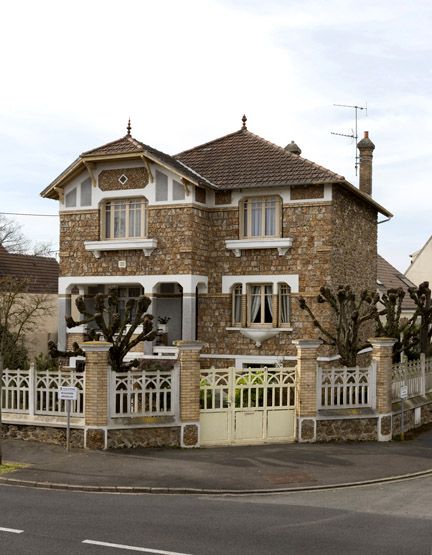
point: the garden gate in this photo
(248, 405)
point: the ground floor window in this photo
(267, 305)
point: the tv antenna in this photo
(354, 132)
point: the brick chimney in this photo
(366, 148)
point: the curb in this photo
(203, 491)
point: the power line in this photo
(21, 214)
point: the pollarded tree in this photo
(350, 314)
(404, 330)
(421, 295)
(122, 328)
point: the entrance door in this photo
(247, 406)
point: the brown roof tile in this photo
(41, 272)
(243, 159)
(390, 278)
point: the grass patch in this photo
(10, 467)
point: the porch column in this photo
(382, 356)
(96, 411)
(64, 309)
(189, 358)
(189, 317)
(148, 345)
(307, 353)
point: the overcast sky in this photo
(186, 71)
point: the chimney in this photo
(293, 148)
(366, 148)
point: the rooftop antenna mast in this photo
(354, 133)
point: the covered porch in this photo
(173, 306)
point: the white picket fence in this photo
(346, 387)
(144, 393)
(35, 392)
(415, 374)
(132, 394)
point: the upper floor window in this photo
(124, 218)
(261, 217)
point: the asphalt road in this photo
(393, 518)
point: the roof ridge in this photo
(211, 142)
(282, 149)
(127, 137)
(32, 256)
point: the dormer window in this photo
(124, 219)
(260, 217)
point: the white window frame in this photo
(246, 216)
(127, 202)
(284, 290)
(263, 295)
(237, 291)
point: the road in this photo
(393, 518)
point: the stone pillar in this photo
(189, 317)
(307, 352)
(96, 412)
(189, 358)
(64, 309)
(382, 353)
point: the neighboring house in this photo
(41, 276)
(223, 238)
(421, 264)
(388, 277)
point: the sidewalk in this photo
(217, 470)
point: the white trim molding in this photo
(237, 245)
(189, 282)
(97, 247)
(258, 335)
(290, 279)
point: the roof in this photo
(128, 147)
(389, 277)
(244, 160)
(41, 272)
(239, 160)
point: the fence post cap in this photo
(382, 341)
(95, 346)
(307, 343)
(190, 345)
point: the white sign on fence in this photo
(404, 392)
(67, 393)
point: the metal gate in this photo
(249, 405)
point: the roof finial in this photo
(129, 128)
(244, 120)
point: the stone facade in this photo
(111, 180)
(311, 191)
(43, 434)
(352, 429)
(144, 437)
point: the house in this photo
(420, 268)
(222, 237)
(41, 277)
(388, 277)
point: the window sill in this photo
(98, 247)
(237, 245)
(258, 335)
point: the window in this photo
(125, 294)
(260, 217)
(284, 304)
(237, 305)
(124, 219)
(262, 308)
(161, 186)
